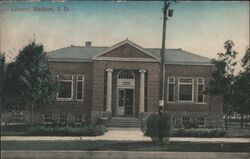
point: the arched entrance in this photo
(125, 93)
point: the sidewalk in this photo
(122, 135)
(120, 155)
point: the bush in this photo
(155, 125)
(87, 130)
(199, 133)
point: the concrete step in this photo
(123, 122)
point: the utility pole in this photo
(162, 73)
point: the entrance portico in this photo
(125, 92)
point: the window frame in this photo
(168, 89)
(197, 90)
(192, 84)
(82, 80)
(75, 118)
(199, 125)
(46, 122)
(182, 121)
(174, 121)
(59, 118)
(72, 90)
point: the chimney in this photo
(88, 44)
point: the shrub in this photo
(155, 125)
(87, 130)
(199, 133)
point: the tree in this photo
(2, 77)
(223, 77)
(35, 83)
(241, 91)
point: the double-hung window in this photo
(62, 118)
(47, 118)
(78, 118)
(65, 87)
(186, 120)
(201, 121)
(171, 89)
(185, 85)
(79, 87)
(200, 90)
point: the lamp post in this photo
(162, 73)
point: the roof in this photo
(87, 54)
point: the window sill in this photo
(47, 123)
(64, 99)
(183, 102)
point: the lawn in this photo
(125, 146)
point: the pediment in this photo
(126, 50)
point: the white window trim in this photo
(197, 93)
(174, 119)
(44, 119)
(205, 122)
(82, 87)
(59, 119)
(168, 89)
(182, 121)
(75, 119)
(72, 83)
(183, 101)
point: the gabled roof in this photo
(129, 43)
(87, 54)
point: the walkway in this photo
(123, 135)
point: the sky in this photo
(198, 27)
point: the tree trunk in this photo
(229, 122)
(246, 121)
(226, 122)
(241, 120)
(32, 114)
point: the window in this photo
(79, 87)
(78, 118)
(200, 121)
(66, 87)
(200, 90)
(47, 118)
(62, 118)
(126, 74)
(185, 89)
(174, 121)
(186, 120)
(171, 87)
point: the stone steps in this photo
(125, 122)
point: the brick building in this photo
(123, 80)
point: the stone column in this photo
(142, 90)
(109, 90)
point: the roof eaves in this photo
(68, 60)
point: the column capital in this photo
(109, 70)
(142, 71)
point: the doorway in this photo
(125, 102)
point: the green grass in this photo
(125, 146)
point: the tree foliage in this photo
(29, 81)
(2, 77)
(36, 81)
(223, 77)
(241, 93)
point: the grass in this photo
(125, 146)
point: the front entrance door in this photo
(125, 102)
